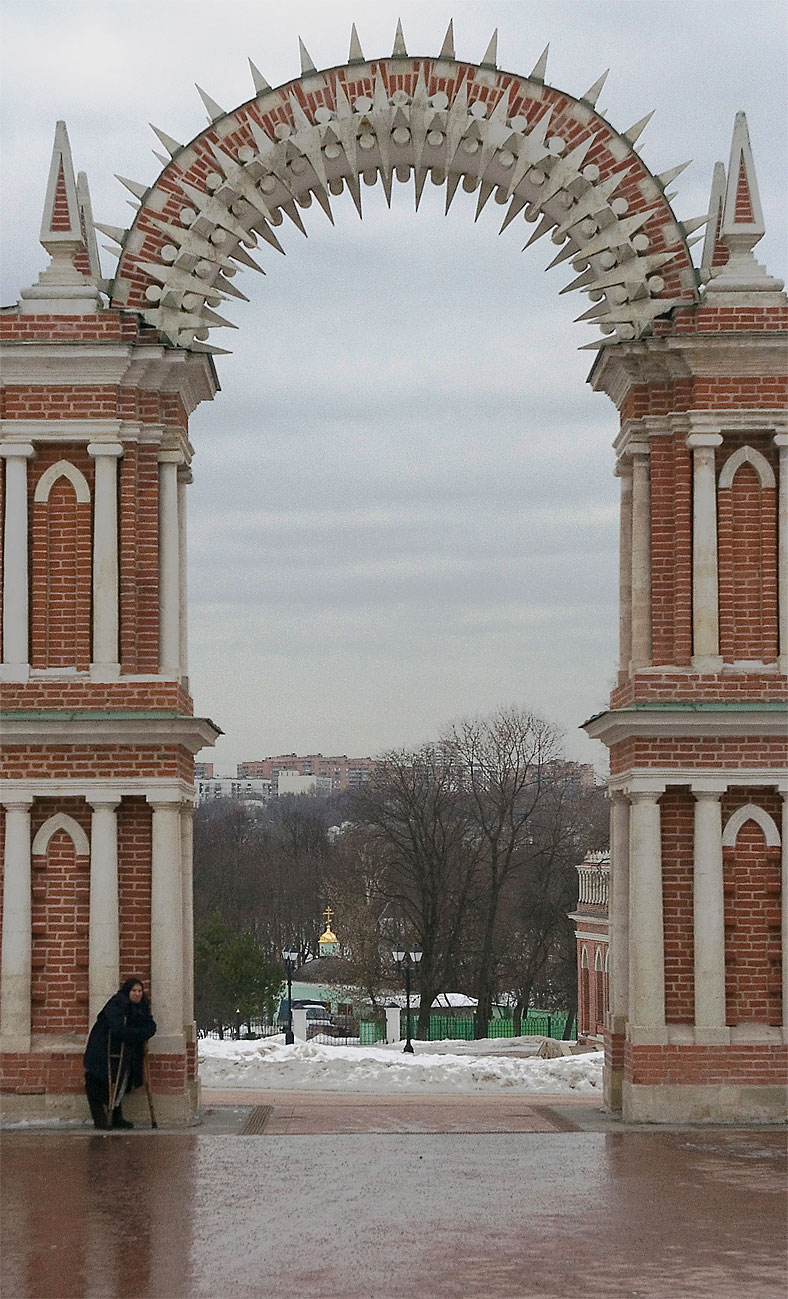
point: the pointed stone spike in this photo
(112, 232)
(593, 93)
(485, 190)
(594, 312)
(419, 178)
(355, 54)
(568, 250)
(324, 201)
(161, 157)
(290, 210)
(307, 65)
(447, 48)
(133, 186)
(546, 223)
(695, 224)
(226, 286)
(452, 182)
(88, 225)
(540, 67)
(196, 346)
(214, 110)
(634, 133)
(515, 207)
(399, 51)
(265, 232)
(714, 227)
(742, 214)
(172, 146)
(665, 177)
(490, 56)
(260, 83)
(239, 254)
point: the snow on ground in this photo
(267, 1064)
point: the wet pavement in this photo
(570, 1205)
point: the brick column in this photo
(708, 919)
(105, 664)
(169, 563)
(781, 440)
(104, 937)
(624, 472)
(641, 556)
(17, 937)
(646, 932)
(619, 911)
(166, 923)
(705, 596)
(16, 616)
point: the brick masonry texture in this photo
(86, 761)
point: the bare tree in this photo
(505, 762)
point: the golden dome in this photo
(329, 937)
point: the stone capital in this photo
(103, 802)
(105, 449)
(171, 458)
(17, 802)
(17, 449)
(698, 440)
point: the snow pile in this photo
(309, 1066)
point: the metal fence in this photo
(368, 1032)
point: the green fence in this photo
(538, 1023)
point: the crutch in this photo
(148, 1089)
(113, 1086)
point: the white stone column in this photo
(16, 613)
(104, 929)
(641, 555)
(187, 852)
(784, 855)
(781, 440)
(705, 582)
(624, 472)
(619, 911)
(708, 919)
(169, 564)
(184, 478)
(646, 933)
(17, 936)
(105, 663)
(166, 924)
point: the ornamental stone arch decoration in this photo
(109, 371)
(547, 155)
(60, 821)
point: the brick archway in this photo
(102, 377)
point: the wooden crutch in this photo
(148, 1089)
(112, 1087)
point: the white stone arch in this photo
(607, 958)
(61, 821)
(746, 455)
(62, 469)
(598, 963)
(584, 958)
(750, 812)
(440, 118)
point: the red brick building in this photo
(100, 379)
(593, 944)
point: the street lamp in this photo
(405, 962)
(290, 955)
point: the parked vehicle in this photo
(318, 1019)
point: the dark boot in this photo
(98, 1113)
(118, 1120)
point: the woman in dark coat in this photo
(114, 1056)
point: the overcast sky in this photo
(404, 509)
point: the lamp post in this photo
(291, 960)
(405, 962)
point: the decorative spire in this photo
(355, 54)
(447, 48)
(305, 57)
(68, 235)
(399, 51)
(92, 266)
(742, 224)
(714, 252)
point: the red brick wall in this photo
(20, 761)
(134, 859)
(748, 568)
(671, 551)
(751, 882)
(733, 753)
(61, 564)
(677, 818)
(139, 559)
(746, 1065)
(60, 920)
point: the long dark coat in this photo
(119, 1023)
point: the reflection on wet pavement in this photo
(658, 1214)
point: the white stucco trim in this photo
(746, 455)
(62, 469)
(60, 821)
(750, 812)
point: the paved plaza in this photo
(372, 1197)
